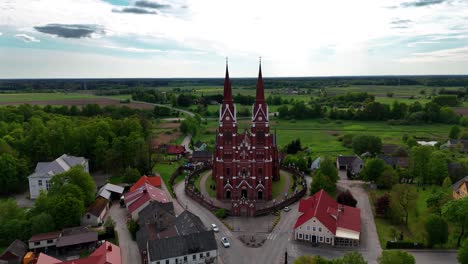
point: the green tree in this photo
(437, 230)
(455, 132)
(387, 179)
(463, 253)
(366, 143)
(14, 223)
(351, 258)
(76, 176)
(438, 167)
(419, 162)
(396, 257)
(373, 169)
(447, 183)
(403, 200)
(321, 181)
(328, 168)
(13, 173)
(455, 213)
(42, 223)
(130, 175)
(436, 200)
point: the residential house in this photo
(455, 170)
(195, 248)
(156, 220)
(352, 164)
(389, 149)
(460, 145)
(202, 156)
(43, 241)
(138, 199)
(96, 212)
(111, 191)
(316, 164)
(460, 188)
(200, 146)
(395, 162)
(14, 253)
(151, 180)
(176, 150)
(68, 238)
(107, 253)
(40, 179)
(325, 221)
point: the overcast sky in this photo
(191, 38)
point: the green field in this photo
(208, 183)
(415, 231)
(28, 97)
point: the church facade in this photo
(245, 162)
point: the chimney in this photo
(109, 248)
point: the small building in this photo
(69, 238)
(43, 241)
(325, 221)
(195, 248)
(151, 180)
(177, 150)
(44, 171)
(395, 162)
(107, 253)
(155, 220)
(352, 164)
(460, 145)
(111, 191)
(138, 199)
(389, 149)
(316, 164)
(96, 212)
(201, 156)
(200, 146)
(460, 188)
(14, 253)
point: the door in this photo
(314, 239)
(260, 195)
(244, 193)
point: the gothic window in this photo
(228, 155)
(228, 171)
(260, 171)
(260, 134)
(228, 137)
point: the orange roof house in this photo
(460, 188)
(151, 180)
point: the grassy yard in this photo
(208, 183)
(167, 169)
(415, 232)
(277, 186)
(28, 97)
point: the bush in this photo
(382, 206)
(437, 230)
(133, 228)
(404, 245)
(221, 213)
(396, 257)
(346, 198)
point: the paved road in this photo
(186, 143)
(128, 247)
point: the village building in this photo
(68, 239)
(14, 253)
(44, 171)
(246, 163)
(351, 164)
(96, 212)
(107, 253)
(325, 221)
(200, 146)
(460, 188)
(460, 145)
(202, 156)
(154, 181)
(111, 191)
(139, 198)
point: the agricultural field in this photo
(30, 97)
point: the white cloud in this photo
(1, 33)
(27, 38)
(455, 54)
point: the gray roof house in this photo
(14, 253)
(111, 191)
(40, 179)
(316, 164)
(352, 164)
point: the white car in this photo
(225, 242)
(214, 228)
(287, 209)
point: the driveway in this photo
(128, 247)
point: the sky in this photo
(192, 38)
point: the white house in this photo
(195, 248)
(323, 220)
(40, 179)
(45, 240)
(96, 212)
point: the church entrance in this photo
(260, 195)
(244, 193)
(228, 195)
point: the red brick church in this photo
(245, 163)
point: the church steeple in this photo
(227, 87)
(260, 97)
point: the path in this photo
(128, 247)
(186, 143)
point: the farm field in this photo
(28, 97)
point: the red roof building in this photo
(107, 253)
(152, 180)
(323, 220)
(175, 150)
(139, 198)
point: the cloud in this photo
(455, 54)
(1, 33)
(134, 10)
(133, 49)
(421, 3)
(401, 21)
(70, 30)
(27, 38)
(149, 4)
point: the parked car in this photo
(225, 242)
(214, 228)
(287, 209)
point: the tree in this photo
(463, 253)
(387, 179)
(352, 258)
(130, 175)
(133, 228)
(455, 212)
(373, 169)
(328, 168)
(76, 176)
(438, 167)
(294, 146)
(396, 257)
(346, 198)
(454, 132)
(366, 143)
(13, 173)
(447, 183)
(321, 181)
(403, 199)
(419, 162)
(311, 260)
(437, 230)
(436, 200)
(42, 223)
(109, 225)
(382, 206)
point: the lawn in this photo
(167, 169)
(28, 97)
(208, 183)
(415, 232)
(277, 186)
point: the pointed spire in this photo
(260, 90)
(227, 86)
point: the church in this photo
(245, 162)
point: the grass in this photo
(277, 186)
(415, 232)
(167, 169)
(28, 97)
(208, 183)
(116, 179)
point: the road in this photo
(128, 247)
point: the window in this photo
(201, 255)
(88, 216)
(185, 258)
(167, 261)
(47, 185)
(321, 239)
(39, 182)
(313, 228)
(50, 241)
(37, 243)
(306, 237)
(299, 236)
(194, 257)
(320, 229)
(157, 262)
(228, 171)
(207, 254)
(328, 240)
